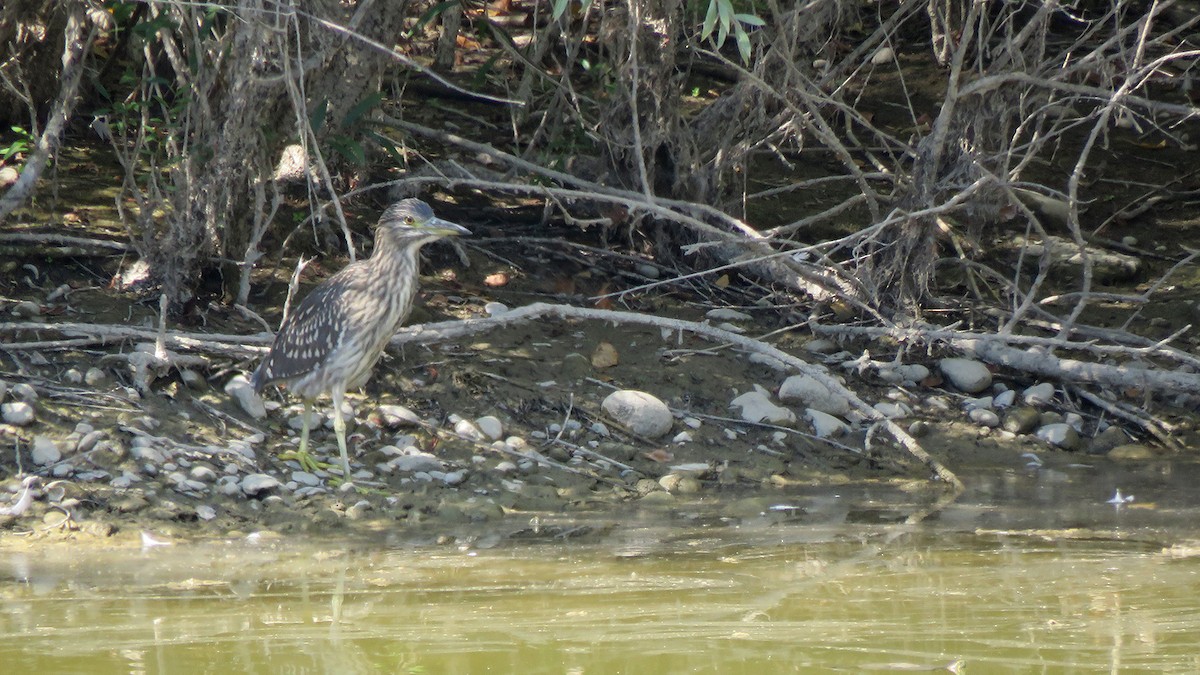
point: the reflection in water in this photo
(823, 587)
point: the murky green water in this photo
(830, 586)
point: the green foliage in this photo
(723, 18)
(21, 145)
(429, 15)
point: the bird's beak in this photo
(447, 228)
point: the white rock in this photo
(821, 346)
(726, 314)
(984, 402)
(468, 430)
(17, 413)
(825, 425)
(1038, 394)
(45, 451)
(768, 361)
(966, 374)
(242, 392)
(757, 407)
(811, 393)
(397, 416)
(640, 412)
(24, 392)
(1005, 399)
(882, 56)
(893, 409)
(495, 308)
(453, 477)
(682, 437)
(258, 482)
(984, 417)
(600, 429)
(205, 512)
(95, 377)
(417, 462)
(491, 426)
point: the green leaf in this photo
(429, 15)
(361, 108)
(560, 8)
(710, 19)
(316, 118)
(750, 19)
(743, 42)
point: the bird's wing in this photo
(309, 335)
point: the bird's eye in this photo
(408, 220)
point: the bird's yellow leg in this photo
(339, 428)
(307, 461)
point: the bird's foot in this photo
(307, 461)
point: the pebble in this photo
(88, 441)
(1108, 439)
(1005, 399)
(193, 380)
(73, 376)
(966, 375)
(575, 366)
(203, 473)
(240, 389)
(984, 417)
(495, 308)
(884, 55)
(45, 451)
(24, 392)
(467, 429)
(821, 346)
(642, 413)
(416, 461)
(757, 407)
(768, 361)
(826, 425)
(727, 314)
(205, 512)
(1061, 435)
(17, 413)
(1131, 452)
(257, 483)
(906, 373)
(682, 437)
(491, 426)
(393, 416)
(893, 410)
(26, 309)
(1022, 420)
(95, 377)
(811, 393)
(1038, 394)
(683, 484)
(647, 270)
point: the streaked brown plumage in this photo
(331, 341)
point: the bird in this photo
(333, 339)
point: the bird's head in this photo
(411, 220)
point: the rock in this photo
(495, 308)
(768, 361)
(1038, 394)
(1005, 399)
(24, 392)
(757, 407)
(1131, 452)
(393, 416)
(73, 376)
(1061, 435)
(467, 429)
(193, 380)
(1108, 439)
(683, 484)
(826, 425)
(575, 366)
(811, 393)
(26, 309)
(893, 409)
(240, 390)
(257, 483)
(821, 346)
(984, 417)
(640, 412)
(203, 473)
(966, 374)
(1022, 420)
(45, 451)
(910, 373)
(726, 314)
(17, 413)
(491, 426)
(95, 377)
(416, 461)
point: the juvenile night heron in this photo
(330, 343)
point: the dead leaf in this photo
(605, 356)
(723, 281)
(496, 280)
(661, 456)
